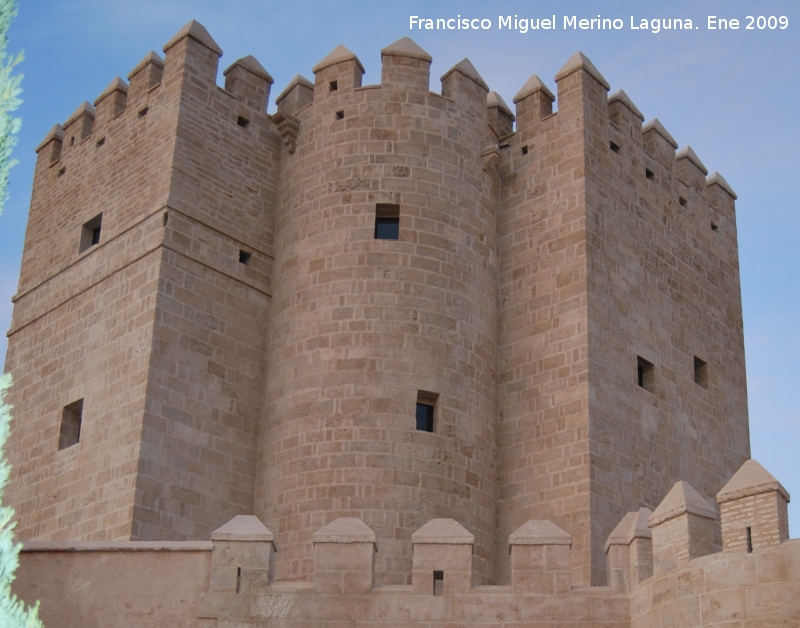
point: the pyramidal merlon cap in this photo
(715, 178)
(344, 530)
(337, 55)
(655, 125)
(633, 526)
(405, 47)
(687, 153)
(444, 531)
(243, 528)
(251, 64)
(493, 99)
(196, 31)
(467, 69)
(580, 61)
(750, 479)
(532, 85)
(622, 97)
(683, 498)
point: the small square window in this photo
(242, 122)
(387, 221)
(649, 174)
(340, 115)
(524, 150)
(71, 425)
(614, 147)
(645, 374)
(245, 257)
(700, 372)
(683, 202)
(333, 86)
(90, 233)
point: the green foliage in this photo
(13, 612)
(10, 91)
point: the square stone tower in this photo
(378, 302)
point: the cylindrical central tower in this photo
(381, 385)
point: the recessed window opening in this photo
(166, 218)
(72, 141)
(614, 147)
(524, 150)
(749, 540)
(683, 202)
(62, 171)
(700, 372)
(645, 374)
(438, 583)
(387, 221)
(100, 142)
(90, 233)
(245, 257)
(238, 579)
(242, 122)
(340, 115)
(714, 226)
(504, 145)
(426, 410)
(333, 86)
(649, 174)
(71, 418)
(143, 111)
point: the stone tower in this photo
(379, 302)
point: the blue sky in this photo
(732, 95)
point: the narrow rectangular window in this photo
(426, 410)
(387, 221)
(90, 233)
(71, 418)
(700, 372)
(645, 374)
(749, 540)
(438, 583)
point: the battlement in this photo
(233, 577)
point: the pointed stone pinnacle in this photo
(683, 498)
(539, 532)
(337, 55)
(297, 79)
(243, 528)
(406, 47)
(655, 125)
(196, 31)
(56, 133)
(580, 61)
(251, 64)
(715, 178)
(85, 108)
(344, 530)
(150, 57)
(532, 85)
(493, 99)
(467, 69)
(687, 153)
(633, 526)
(750, 479)
(444, 531)
(622, 97)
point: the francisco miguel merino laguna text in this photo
(524, 24)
